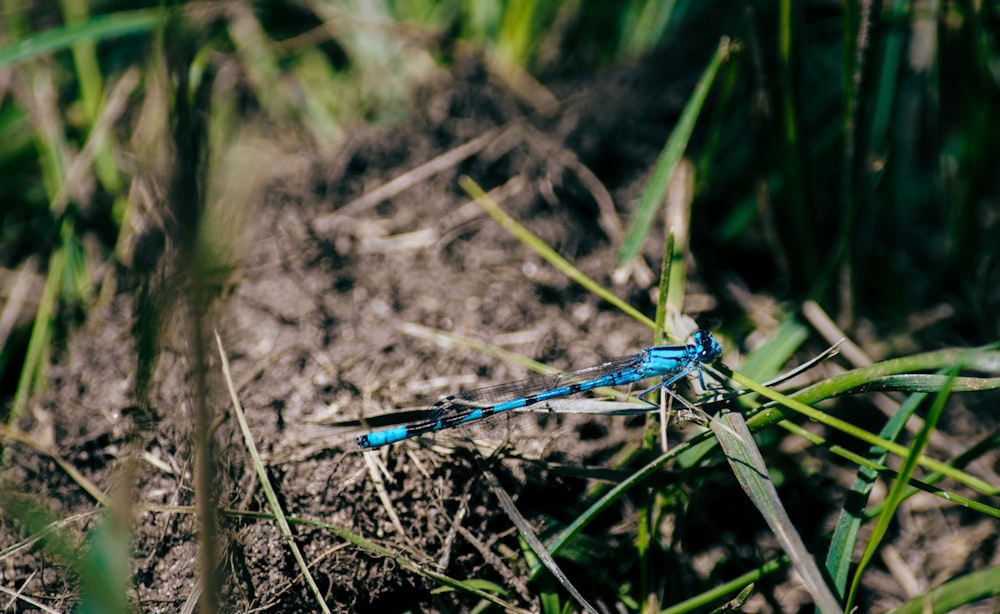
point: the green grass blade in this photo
(33, 371)
(563, 537)
(642, 218)
(98, 28)
(686, 454)
(798, 406)
(91, 82)
(660, 331)
(518, 32)
(767, 360)
(531, 240)
(955, 593)
(981, 359)
(898, 490)
(736, 603)
(643, 25)
(104, 569)
(549, 600)
(265, 482)
(677, 205)
(524, 529)
(921, 485)
(838, 559)
(794, 168)
(751, 472)
(666, 301)
(262, 64)
(723, 590)
(985, 445)
(919, 382)
(891, 53)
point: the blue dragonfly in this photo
(671, 361)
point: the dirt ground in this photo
(325, 320)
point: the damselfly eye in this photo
(708, 348)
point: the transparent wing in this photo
(492, 395)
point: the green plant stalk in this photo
(644, 22)
(320, 85)
(920, 382)
(77, 284)
(660, 333)
(794, 168)
(975, 358)
(838, 559)
(876, 467)
(528, 535)
(643, 543)
(51, 140)
(547, 253)
(104, 567)
(548, 598)
(849, 26)
(91, 90)
(518, 33)
(898, 491)
(67, 275)
(892, 44)
(260, 61)
(84, 52)
(723, 590)
(557, 542)
(265, 482)
(642, 218)
(982, 359)
(850, 94)
(15, 18)
(647, 500)
(206, 494)
(32, 373)
(955, 593)
(987, 444)
(849, 429)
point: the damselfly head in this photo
(707, 347)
